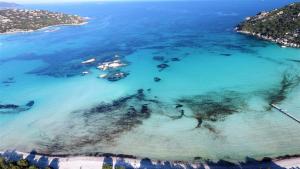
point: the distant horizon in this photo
(74, 1)
(82, 1)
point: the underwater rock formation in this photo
(159, 58)
(12, 108)
(9, 81)
(179, 116)
(214, 107)
(162, 66)
(277, 95)
(112, 67)
(157, 79)
(101, 124)
(116, 75)
(225, 54)
(179, 106)
(294, 60)
(175, 59)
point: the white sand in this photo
(84, 162)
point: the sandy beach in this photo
(89, 162)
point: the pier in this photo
(285, 112)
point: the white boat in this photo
(89, 61)
(283, 46)
(103, 76)
(111, 65)
(85, 73)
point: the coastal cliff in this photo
(23, 20)
(281, 26)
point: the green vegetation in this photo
(21, 164)
(16, 20)
(280, 25)
(119, 167)
(107, 166)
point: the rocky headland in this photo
(24, 20)
(4, 5)
(281, 26)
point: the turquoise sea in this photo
(212, 100)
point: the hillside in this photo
(281, 26)
(23, 20)
(8, 5)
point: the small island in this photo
(281, 26)
(24, 20)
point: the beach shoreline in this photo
(97, 161)
(42, 29)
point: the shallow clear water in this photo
(223, 80)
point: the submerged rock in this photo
(12, 108)
(102, 123)
(294, 60)
(8, 106)
(225, 54)
(30, 103)
(175, 59)
(277, 95)
(179, 106)
(214, 107)
(162, 66)
(157, 79)
(179, 116)
(8, 81)
(116, 75)
(159, 58)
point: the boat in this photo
(89, 61)
(111, 65)
(85, 73)
(102, 76)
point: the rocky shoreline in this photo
(281, 26)
(281, 42)
(41, 29)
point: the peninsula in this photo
(281, 26)
(4, 5)
(23, 20)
